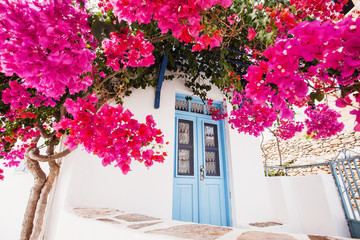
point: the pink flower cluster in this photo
(319, 9)
(283, 19)
(251, 118)
(133, 51)
(322, 122)
(19, 98)
(216, 113)
(10, 152)
(45, 44)
(111, 133)
(278, 81)
(1, 174)
(343, 102)
(288, 128)
(182, 17)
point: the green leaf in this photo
(320, 97)
(97, 28)
(82, 4)
(313, 96)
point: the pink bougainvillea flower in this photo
(232, 19)
(251, 34)
(343, 102)
(111, 133)
(287, 129)
(322, 121)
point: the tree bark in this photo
(278, 147)
(262, 149)
(39, 180)
(46, 189)
(36, 208)
(42, 203)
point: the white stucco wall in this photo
(302, 204)
(249, 193)
(87, 183)
(14, 194)
(307, 204)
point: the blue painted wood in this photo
(185, 202)
(208, 199)
(160, 80)
(212, 210)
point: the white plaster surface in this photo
(307, 204)
(73, 227)
(250, 197)
(84, 182)
(150, 191)
(14, 193)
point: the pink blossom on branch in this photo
(181, 17)
(1, 174)
(19, 98)
(124, 50)
(251, 34)
(111, 133)
(251, 118)
(322, 121)
(45, 44)
(288, 128)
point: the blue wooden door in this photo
(200, 191)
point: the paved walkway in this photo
(169, 229)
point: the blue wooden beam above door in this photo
(160, 80)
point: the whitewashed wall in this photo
(84, 182)
(307, 204)
(14, 193)
(249, 194)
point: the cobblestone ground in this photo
(180, 230)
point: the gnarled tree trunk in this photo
(39, 180)
(42, 202)
(36, 207)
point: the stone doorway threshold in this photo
(147, 227)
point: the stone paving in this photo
(181, 230)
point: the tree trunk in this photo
(262, 149)
(42, 203)
(278, 147)
(39, 180)
(35, 210)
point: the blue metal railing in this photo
(345, 170)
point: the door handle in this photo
(202, 170)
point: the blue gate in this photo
(345, 170)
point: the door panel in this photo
(200, 196)
(185, 202)
(185, 192)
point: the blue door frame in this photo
(202, 201)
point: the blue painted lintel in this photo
(160, 79)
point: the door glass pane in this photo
(209, 136)
(197, 107)
(211, 150)
(184, 133)
(181, 105)
(184, 161)
(210, 163)
(185, 148)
